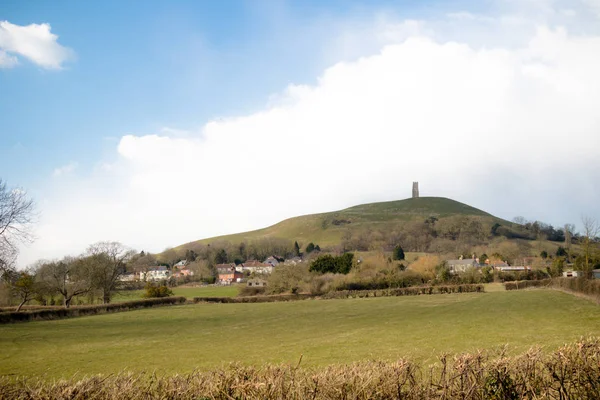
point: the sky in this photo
(163, 124)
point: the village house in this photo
(225, 268)
(461, 265)
(256, 283)
(572, 274)
(272, 260)
(182, 272)
(230, 276)
(181, 264)
(127, 277)
(596, 273)
(155, 274)
(257, 267)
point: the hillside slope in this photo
(328, 228)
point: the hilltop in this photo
(328, 229)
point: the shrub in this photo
(330, 264)
(156, 291)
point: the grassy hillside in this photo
(182, 338)
(328, 228)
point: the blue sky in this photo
(158, 111)
(140, 68)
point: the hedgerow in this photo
(79, 311)
(570, 372)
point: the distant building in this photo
(257, 267)
(457, 266)
(415, 190)
(272, 260)
(155, 274)
(127, 278)
(181, 264)
(256, 283)
(572, 274)
(229, 277)
(224, 268)
(596, 273)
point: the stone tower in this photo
(415, 190)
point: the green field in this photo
(183, 338)
(189, 292)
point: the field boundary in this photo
(346, 294)
(580, 287)
(80, 311)
(571, 372)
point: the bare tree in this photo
(68, 277)
(590, 232)
(569, 230)
(519, 220)
(16, 217)
(107, 262)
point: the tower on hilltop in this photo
(415, 190)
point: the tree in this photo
(337, 265)
(398, 253)
(107, 261)
(22, 285)
(221, 257)
(561, 252)
(317, 248)
(16, 219)
(310, 248)
(590, 233)
(68, 277)
(519, 220)
(296, 249)
(544, 254)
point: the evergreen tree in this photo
(310, 248)
(398, 253)
(221, 257)
(296, 249)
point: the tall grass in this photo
(571, 372)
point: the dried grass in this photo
(571, 372)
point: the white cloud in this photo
(65, 169)
(6, 60)
(512, 129)
(34, 42)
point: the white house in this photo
(457, 266)
(257, 267)
(572, 274)
(127, 277)
(155, 274)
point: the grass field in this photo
(183, 338)
(189, 292)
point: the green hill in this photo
(328, 228)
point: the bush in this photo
(156, 291)
(330, 264)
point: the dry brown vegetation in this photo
(571, 372)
